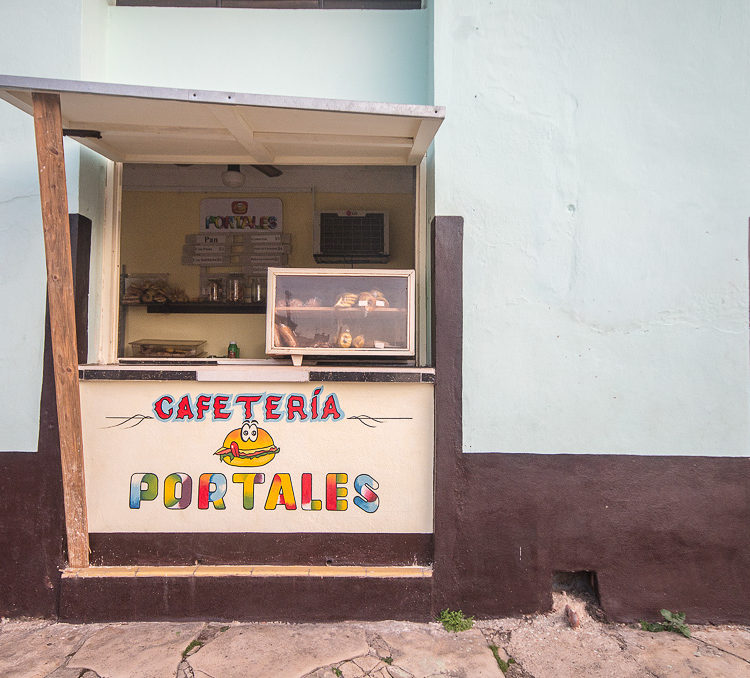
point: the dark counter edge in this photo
(254, 548)
(363, 376)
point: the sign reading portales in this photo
(240, 214)
(259, 457)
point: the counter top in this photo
(249, 371)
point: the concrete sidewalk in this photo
(541, 646)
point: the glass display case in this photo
(339, 312)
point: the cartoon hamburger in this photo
(247, 446)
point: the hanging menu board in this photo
(240, 214)
(254, 250)
(214, 249)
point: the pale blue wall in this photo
(345, 54)
(40, 38)
(367, 55)
(598, 152)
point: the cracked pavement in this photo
(535, 646)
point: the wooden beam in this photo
(53, 193)
(428, 127)
(239, 127)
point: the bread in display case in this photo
(339, 312)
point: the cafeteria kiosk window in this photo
(131, 125)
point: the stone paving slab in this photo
(429, 650)
(669, 654)
(539, 646)
(730, 639)
(275, 650)
(136, 650)
(36, 649)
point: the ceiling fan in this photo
(233, 177)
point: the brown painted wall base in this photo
(32, 527)
(32, 524)
(244, 599)
(660, 532)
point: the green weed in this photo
(455, 620)
(193, 644)
(673, 621)
(504, 666)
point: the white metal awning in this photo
(158, 125)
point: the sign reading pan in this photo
(354, 458)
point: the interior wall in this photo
(154, 226)
(598, 155)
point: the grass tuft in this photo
(673, 621)
(455, 620)
(193, 644)
(504, 666)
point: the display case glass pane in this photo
(341, 312)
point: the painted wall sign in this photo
(240, 214)
(257, 458)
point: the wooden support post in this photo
(51, 160)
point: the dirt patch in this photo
(547, 646)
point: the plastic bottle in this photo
(233, 351)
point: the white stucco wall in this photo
(598, 152)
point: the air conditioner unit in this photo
(350, 236)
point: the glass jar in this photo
(256, 290)
(236, 288)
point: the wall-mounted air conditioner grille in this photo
(351, 236)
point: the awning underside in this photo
(143, 124)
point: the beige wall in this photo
(154, 225)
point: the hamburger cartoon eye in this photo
(249, 431)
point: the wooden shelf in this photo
(205, 307)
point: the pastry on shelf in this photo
(157, 292)
(346, 300)
(366, 300)
(380, 300)
(345, 338)
(287, 337)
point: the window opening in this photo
(163, 302)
